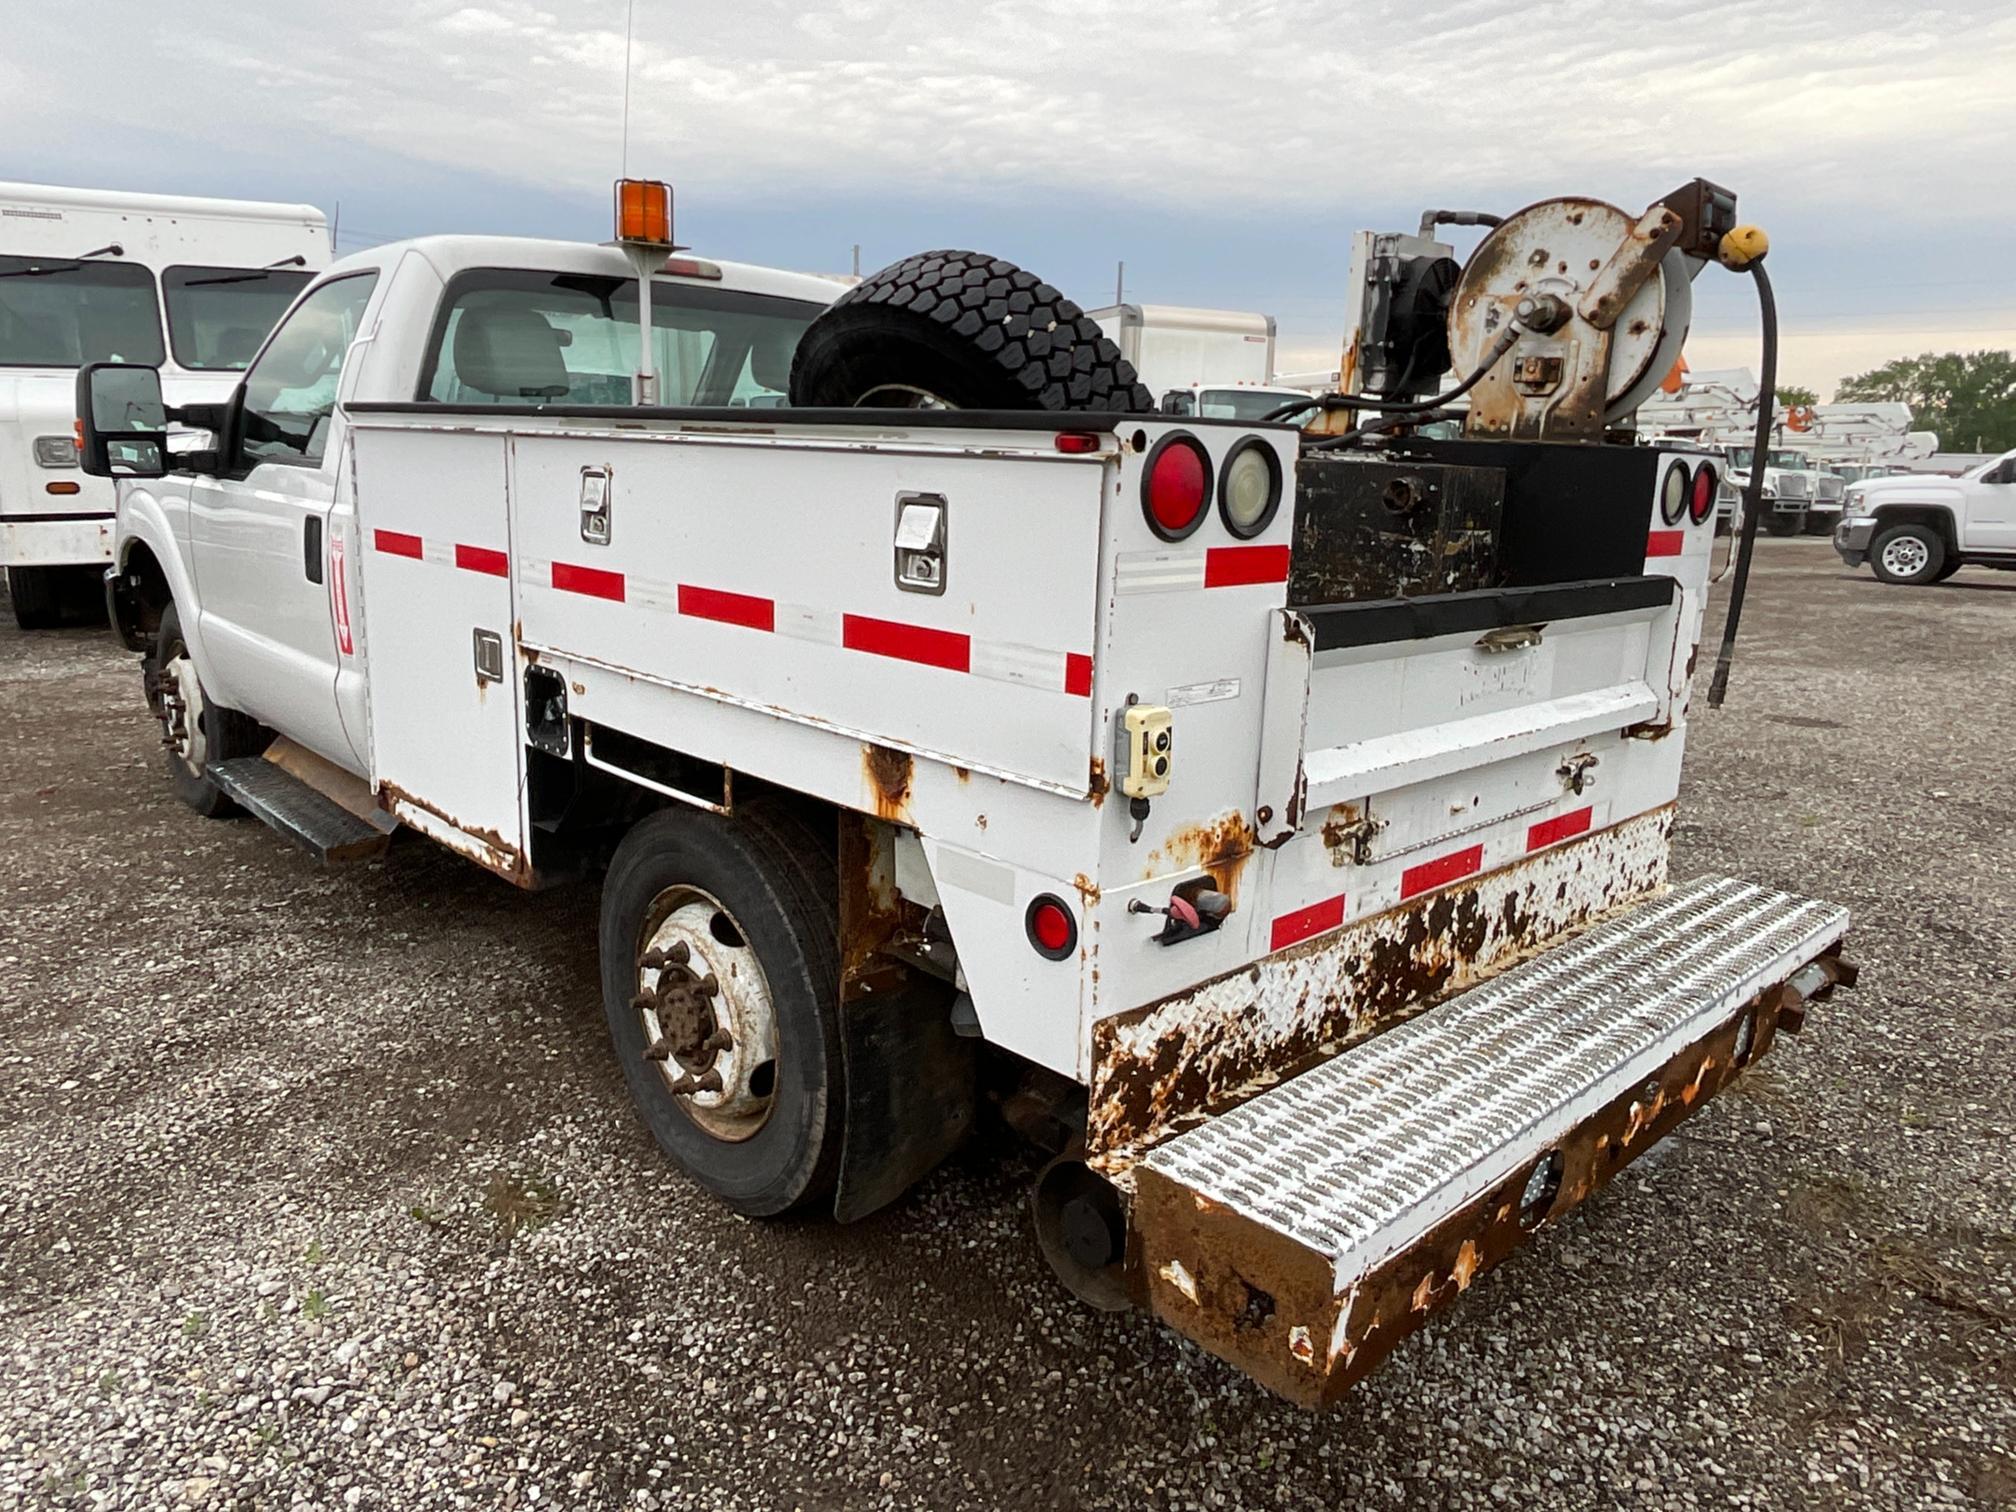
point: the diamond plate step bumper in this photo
(1302, 1234)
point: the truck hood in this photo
(43, 402)
(1906, 490)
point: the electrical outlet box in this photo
(1147, 750)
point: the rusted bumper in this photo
(1163, 1067)
(1303, 1249)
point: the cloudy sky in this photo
(1225, 149)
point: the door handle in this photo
(311, 548)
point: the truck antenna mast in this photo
(629, 25)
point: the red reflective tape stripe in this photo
(934, 648)
(1077, 674)
(482, 559)
(1234, 566)
(396, 543)
(1561, 827)
(729, 608)
(592, 581)
(1437, 873)
(1305, 923)
(1662, 543)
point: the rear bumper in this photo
(55, 540)
(1303, 1234)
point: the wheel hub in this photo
(1905, 556)
(705, 1009)
(180, 708)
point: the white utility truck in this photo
(1917, 529)
(1275, 825)
(190, 286)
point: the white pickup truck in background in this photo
(190, 286)
(1274, 825)
(1915, 528)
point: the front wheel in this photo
(721, 982)
(1907, 555)
(1783, 524)
(195, 732)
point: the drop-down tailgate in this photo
(1302, 1234)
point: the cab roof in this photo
(449, 255)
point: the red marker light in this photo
(1702, 502)
(1076, 443)
(1176, 486)
(1051, 928)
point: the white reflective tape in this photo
(1157, 571)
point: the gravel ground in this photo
(321, 1188)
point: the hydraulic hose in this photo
(1506, 338)
(1743, 250)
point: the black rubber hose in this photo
(1753, 491)
(1499, 348)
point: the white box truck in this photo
(191, 286)
(1213, 364)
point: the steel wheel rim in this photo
(1905, 556)
(183, 712)
(740, 1008)
(902, 396)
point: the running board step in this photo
(334, 833)
(1302, 1234)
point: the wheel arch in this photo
(1936, 517)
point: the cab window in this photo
(509, 336)
(290, 393)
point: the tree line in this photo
(1968, 399)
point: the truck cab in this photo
(188, 286)
(1914, 528)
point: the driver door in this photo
(1991, 509)
(259, 532)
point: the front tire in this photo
(1908, 555)
(195, 732)
(721, 983)
(1783, 524)
(37, 596)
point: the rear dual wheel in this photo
(720, 981)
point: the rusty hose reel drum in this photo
(1605, 298)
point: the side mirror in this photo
(122, 423)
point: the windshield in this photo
(515, 337)
(1242, 404)
(217, 317)
(60, 314)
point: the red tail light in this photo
(1702, 502)
(1051, 928)
(1176, 486)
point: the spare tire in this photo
(961, 330)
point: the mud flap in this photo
(909, 1087)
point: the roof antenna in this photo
(629, 19)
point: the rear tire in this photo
(195, 732)
(961, 330)
(1908, 555)
(769, 1143)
